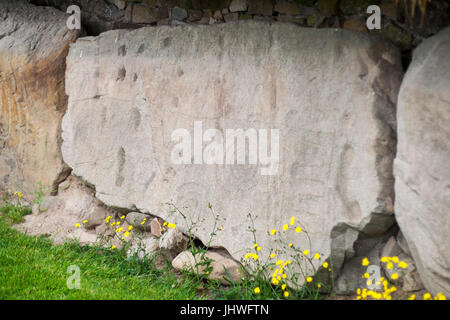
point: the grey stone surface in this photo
(422, 164)
(330, 93)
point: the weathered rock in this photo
(139, 220)
(238, 5)
(144, 14)
(220, 264)
(179, 13)
(231, 17)
(155, 228)
(173, 242)
(336, 137)
(144, 247)
(95, 217)
(60, 214)
(32, 98)
(422, 166)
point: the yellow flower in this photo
(403, 264)
(143, 221)
(108, 218)
(272, 255)
(130, 227)
(126, 234)
(255, 245)
(365, 262)
(290, 244)
(258, 249)
(286, 294)
(257, 290)
(119, 229)
(85, 221)
(366, 275)
(394, 276)
(309, 279)
(292, 220)
(390, 265)
(298, 229)
(325, 265)
(171, 225)
(113, 247)
(440, 296)
(275, 281)
(279, 262)
(122, 217)
(384, 259)
(118, 222)
(273, 231)
(395, 259)
(319, 285)
(285, 227)
(283, 286)
(317, 256)
(77, 225)
(284, 276)
(427, 296)
(305, 252)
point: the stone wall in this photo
(398, 24)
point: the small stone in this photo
(218, 15)
(355, 24)
(155, 227)
(179, 14)
(172, 243)
(144, 247)
(262, 7)
(204, 20)
(143, 14)
(185, 261)
(120, 4)
(212, 20)
(224, 11)
(287, 7)
(162, 13)
(194, 15)
(163, 22)
(391, 248)
(238, 5)
(207, 13)
(231, 17)
(136, 218)
(95, 217)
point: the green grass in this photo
(33, 268)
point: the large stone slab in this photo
(422, 165)
(34, 42)
(330, 93)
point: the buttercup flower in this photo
(292, 220)
(285, 227)
(273, 231)
(298, 229)
(365, 262)
(257, 290)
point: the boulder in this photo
(324, 98)
(32, 97)
(422, 166)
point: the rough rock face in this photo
(422, 165)
(330, 93)
(34, 42)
